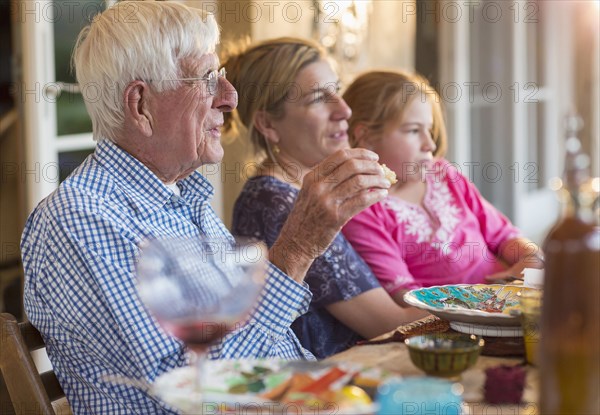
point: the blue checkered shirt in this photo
(79, 250)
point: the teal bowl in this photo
(444, 354)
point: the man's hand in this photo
(332, 192)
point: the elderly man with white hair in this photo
(157, 119)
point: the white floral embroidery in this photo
(417, 222)
(442, 203)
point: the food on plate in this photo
(389, 174)
(295, 382)
(273, 384)
(325, 388)
(318, 393)
(355, 394)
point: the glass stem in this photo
(200, 358)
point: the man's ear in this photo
(264, 124)
(136, 107)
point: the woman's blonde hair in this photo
(264, 75)
(136, 40)
(378, 97)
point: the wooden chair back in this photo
(30, 392)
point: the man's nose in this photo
(226, 98)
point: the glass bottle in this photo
(570, 323)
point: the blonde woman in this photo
(290, 107)
(434, 227)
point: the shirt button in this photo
(176, 199)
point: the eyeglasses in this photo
(212, 80)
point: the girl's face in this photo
(315, 121)
(406, 144)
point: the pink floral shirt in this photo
(452, 239)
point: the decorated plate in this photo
(481, 305)
(270, 387)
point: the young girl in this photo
(434, 227)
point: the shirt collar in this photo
(196, 185)
(147, 190)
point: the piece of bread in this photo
(389, 174)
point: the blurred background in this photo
(507, 71)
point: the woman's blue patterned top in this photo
(339, 274)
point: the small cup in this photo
(531, 308)
(420, 395)
(533, 278)
(504, 384)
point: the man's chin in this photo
(214, 157)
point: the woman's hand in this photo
(332, 192)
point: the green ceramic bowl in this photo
(444, 355)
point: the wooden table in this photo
(394, 357)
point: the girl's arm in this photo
(518, 253)
(502, 237)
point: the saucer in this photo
(487, 330)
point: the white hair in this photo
(136, 40)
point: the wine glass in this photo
(200, 289)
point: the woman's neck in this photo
(412, 191)
(291, 174)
